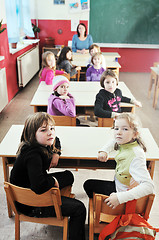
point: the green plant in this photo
(35, 28)
(1, 29)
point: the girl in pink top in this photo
(48, 70)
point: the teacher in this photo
(81, 41)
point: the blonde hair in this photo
(44, 63)
(98, 54)
(32, 124)
(135, 125)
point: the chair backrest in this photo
(26, 196)
(64, 120)
(77, 75)
(103, 213)
(105, 122)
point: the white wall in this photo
(47, 10)
(3, 11)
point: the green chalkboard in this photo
(124, 21)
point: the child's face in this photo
(110, 84)
(45, 135)
(63, 89)
(94, 50)
(97, 61)
(50, 60)
(69, 55)
(122, 132)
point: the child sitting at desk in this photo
(64, 62)
(48, 70)
(38, 151)
(94, 72)
(132, 179)
(94, 48)
(61, 102)
(107, 103)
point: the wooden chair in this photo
(105, 122)
(28, 197)
(64, 120)
(100, 214)
(77, 76)
(55, 51)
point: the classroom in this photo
(128, 41)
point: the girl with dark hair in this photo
(64, 62)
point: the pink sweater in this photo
(47, 75)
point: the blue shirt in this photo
(77, 44)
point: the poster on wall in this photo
(78, 5)
(59, 1)
(84, 5)
(74, 6)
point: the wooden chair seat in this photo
(28, 197)
(105, 122)
(100, 214)
(64, 120)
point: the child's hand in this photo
(137, 103)
(54, 161)
(102, 156)
(112, 201)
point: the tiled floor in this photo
(16, 113)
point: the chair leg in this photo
(91, 221)
(150, 85)
(156, 93)
(17, 227)
(65, 229)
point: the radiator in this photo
(28, 65)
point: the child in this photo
(61, 102)
(132, 179)
(94, 48)
(94, 72)
(107, 103)
(64, 62)
(38, 151)
(48, 70)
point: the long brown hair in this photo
(44, 61)
(134, 124)
(32, 124)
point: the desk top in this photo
(85, 142)
(110, 59)
(82, 98)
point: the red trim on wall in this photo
(135, 59)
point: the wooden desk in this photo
(82, 98)
(81, 153)
(154, 79)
